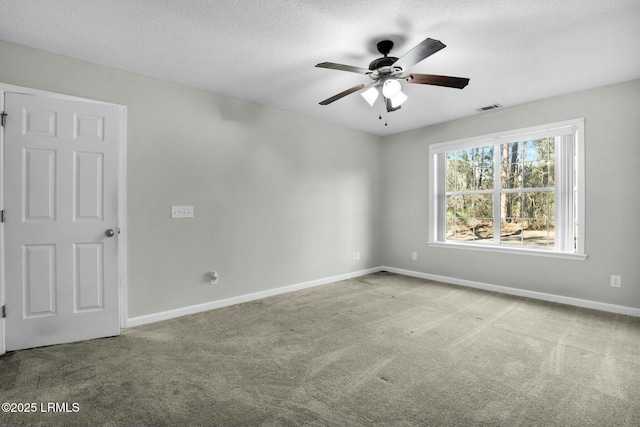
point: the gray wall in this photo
(279, 199)
(612, 146)
(282, 199)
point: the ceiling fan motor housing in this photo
(382, 62)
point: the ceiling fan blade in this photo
(334, 66)
(432, 79)
(423, 50)
(343, 94)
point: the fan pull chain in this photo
(380, 114)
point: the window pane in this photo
(537, 233)
(450, 170)
(510, 205)
(469, 217)
(483, 230)
(483, 206)
(511, 175)
(547, 148)
(483, 156)
(511, 152)
(459, 170)
(459, 229)
(450, 176)
(468, 170)
(450, 231)
(511, 231)
(527, 219)
(483, 178)
(451, 206)
(527, 164)
(459, 206)
(535, 205)
(552, 146)
(465, 206)
(464, 175)
(533, 150)
(535, 174)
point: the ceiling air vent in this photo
(490, 107)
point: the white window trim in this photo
(437, 199)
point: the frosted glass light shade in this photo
(391, 88)
(370, 95)
(397, 100)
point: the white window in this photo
(520, 191)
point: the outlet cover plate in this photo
(616, 281)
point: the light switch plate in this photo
(181, 211)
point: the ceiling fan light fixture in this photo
(398, 100)
(391, 88)
(387, 73)
(370, 95)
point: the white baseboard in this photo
(620, 309)
(170, 314)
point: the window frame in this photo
(570, 172)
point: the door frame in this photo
(122, 197)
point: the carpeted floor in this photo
(380, 350)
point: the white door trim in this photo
(122, 198)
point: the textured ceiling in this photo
(265, 51)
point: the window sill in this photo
(509, 250)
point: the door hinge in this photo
(2, 215)
(4, 311)
(4, 118)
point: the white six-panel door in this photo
(61, 201)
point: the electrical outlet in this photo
(414, 256)
(181, 211)
(213, 277)
(616, 281)
(356, 256)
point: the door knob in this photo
(110, 233)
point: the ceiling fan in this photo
(387, 72)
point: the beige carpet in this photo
(380, 350)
